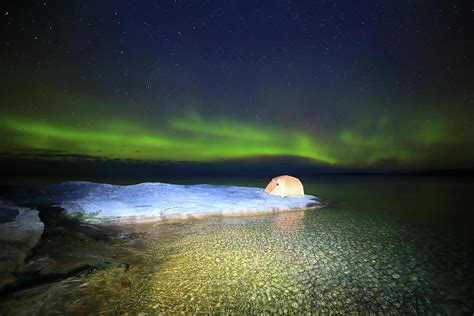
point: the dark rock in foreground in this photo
(20, 231)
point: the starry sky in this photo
(343, 84)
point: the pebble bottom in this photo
(304, 262)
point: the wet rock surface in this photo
(8, 214)
(20, 231)
(45, 246)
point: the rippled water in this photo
(380, 245)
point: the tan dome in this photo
(285, 186)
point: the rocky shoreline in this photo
(20, 231)
(45, 245)
(58, 233)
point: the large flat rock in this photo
(162, 200)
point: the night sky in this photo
(343, 84)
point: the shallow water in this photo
(379, 245)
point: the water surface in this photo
(381, 244)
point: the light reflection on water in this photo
(377, 247)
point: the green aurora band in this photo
(192, 138)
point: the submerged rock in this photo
(63, 248)
(8, 214)
(94, 201)
(20, 231)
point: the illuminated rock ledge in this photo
(155, 201)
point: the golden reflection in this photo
(288, 220)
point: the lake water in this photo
(380, 244)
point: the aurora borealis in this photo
(340, 84)
(192, 139)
